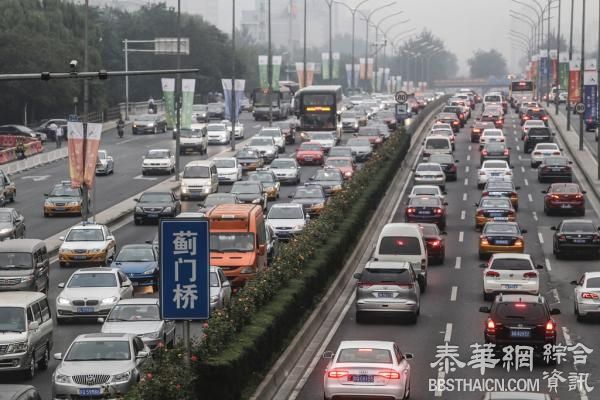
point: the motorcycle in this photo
(120, 130)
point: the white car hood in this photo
(196, 181)
(289, 223)
(82, 245)
(227, 171)
(93, 293)
(135, 327)
(12, 337)
(218, 133)
(284, 171)
(150, 161)
(263, 148)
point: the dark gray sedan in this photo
(12, 224)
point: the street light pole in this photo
(353, 12)
(330, 5)
(178, 103)
(270, 66)
(233, 113)
(304, 55)
(368, 20)
(597, 101)
(86, 104)
(581, 72)
(548, 87)
(568, 106)
(556, 96)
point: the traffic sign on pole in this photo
(401, 97)
(580, 108)
(184, 268)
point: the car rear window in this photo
(505, 229)
(534, 131)
(366, 355)
(577, 226)
(441, 159)
(386, 275)
(437, 143)
(593, 283)
(529, 312)
(400, 246)
(495, 164)
(425, 202)
(556, 161)
(573, 188)
(511, 264)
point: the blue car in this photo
(140, 263)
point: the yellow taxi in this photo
(7, 187)
(63, 200)
(501, 237)
(494, 209)
(503, 189)
(87, 244)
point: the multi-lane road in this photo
(450, 307)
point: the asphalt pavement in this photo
(450, 307)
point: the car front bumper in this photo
(15, 361)
(62, 210)
(69, 258)
(69, 311)
(510, 286)
(64, 391)
(157, 169)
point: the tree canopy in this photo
(484, 64)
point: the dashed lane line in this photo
(448, 333)
(466, 181)
(461, 236)
(463, 213)
(530, 197)
(535, 217)
(540, 237)
(526, 182)
(458, 262)
(548, 265)
(465, 197)
(454, 293)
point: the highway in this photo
(112, 189)
(450, 307)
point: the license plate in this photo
(565, 206)
(85, 310)
(547, 154)
(510, 286)
(500, 218)
(90, 392)
(424, 213)
(308, 158)
(556, 169)
(79, 257)
(495, 194)
(362, 378)
(495, 173)
(580, 241)
(134, 283)
(384, 294)
(520, 333)
(501, 241)
(59, 209)
(153, 215)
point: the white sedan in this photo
(367, 368)
(491, 135)
(587, 295)
(543, 150)
(158, 160)
(427, 190)
(492, 170)
(228, 169)
(510, 273)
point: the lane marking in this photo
(464, 197)
(469, 147)
(457, 263)
(567, 336)
(126, 141)
(467, 168)
(522, 169)
(520, 158)
(541, 237)
(145, 178)
(468, 157)
(548, 266)
(526, 182)
(461, 236)
(529, 197)
(518, 149)
(535, 217)
(555, 295)
(453, 293)
(448, 334)
(466, 181)
(463, 214)
(36, 178)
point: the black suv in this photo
(520, 319)
(152, 206)
(576, 236)
(535, 136)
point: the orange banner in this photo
(75, 143)
(92, 143)
(83, 147)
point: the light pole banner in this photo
(263, 65)
(336, 66)
(276, 60)
(543, 68)
(590, 65)
(563, 70)
(590, 95)
(310, 73)
(168, 88)
(92, 143)
(386, 76)
(349, 74)
(379, 78)
(75, 143)
(300, 72)
(188, 86)
(356, 73)
(325, 66)
(575, 81)
(363, 69)
(239, 95)
(554, 67)
(370, 68)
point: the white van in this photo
(436, 144)
(404, 242)
(199, 179)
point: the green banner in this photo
(263, 63)
(276, 71)
(168, 87)
(336, 66)
(563, 71)
(325, 66)
(188, 87)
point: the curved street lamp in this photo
(367, 19)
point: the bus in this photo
(293, 86)
(281, 103)
(318, 109)
(521, 91)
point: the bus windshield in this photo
(261, 99)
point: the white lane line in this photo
(464, 197)
(555, 295)
(518, 149)
(463, 214)
(468, 157)
(256, 126)
(461, 236)
(529, 197)
(535, 217)
(526, 182)
(541, 237)
(457, 263)
(440, 377)
(467, 168)
(126, 141)
(548, 266)
(567, 336)
(469, 147)
(522, 168)
(448, 334)
(454, 293)
(466, 181)
(520, 158)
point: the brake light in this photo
(454, 122)
(364, 285)
(550, 326)
(591, 296)
(461, 116)
(505, 152)
(491, 326)
(544, 118)
(520, 305)
(528, 275)
(579, 197)
(439, 211)
(435, 243)
(479, 213)
(555, 197)
(492, 274)
(596, 238)
(410, 210)
(525, 117)
(337, 373)
(484, 153)
(513, 194)
(537, 153)
(476, 130)
(556, 153)
(562, 238)
(453, 167)
(389, 374)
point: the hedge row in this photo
(240, 343)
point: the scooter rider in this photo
(120, 126)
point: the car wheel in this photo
(359, 317)
(488, 296)
(144, 173)
(136, 221)
(43, 363)
(62, 264)
(30, 372)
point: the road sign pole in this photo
(187, 343)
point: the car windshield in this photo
(5, 216)
(246, 154)
(101, 155)
(441, 132)
(499, 186)
(283, 164)
(85, 235)
(321, 136)
(157, 197)
(368, 131)
(339, 162)
(556, 161)
(397, 276)
(340, 152)
(508, 229)
(214, 107)
(545, 132)
(196, 172)
(308, 193)
(489, 132)
(578, 226)
(428, 168)
(216, 128)
(548, 146)
(358, 143)
(136, 254)
(264, 177)
(231, 241)
(214, 280)
(64, 191)
(425, 202)
(200, 107)
(348, 115)
(225, 163)
(145, 118)
(99, 350)
(325, 175)
(188, 133)
(286, 213)
(495, 203)
(134, 312)
(534, 122)
(272, 133)
(157, 154)
(310, 147)
(495, 164)
(216, 199)
(365, 356)
(261, 142)
(99, 279)
(400, 245)
(530, 312)
(562, 188)
(437, 144)
(13, 260)
(441, 159)
(429, 230)
(245, 188)
(12, 319)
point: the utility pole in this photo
(597, 100)
(330, 5)
(556, 96)
(568, 105)
(581, 72)
(270, 68)
(233, 112)
(548, 87)
(126, 81)
(178, 111)
(86, 105)
(304, 43)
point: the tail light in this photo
(454, 122)
(461, 116)
(439, 211)
(484, 153)
(537, 153)
(476, 130)
(578, 197)
(364, 285)
(528, 275)
(556, 153)
(596, 238)
(590, 296)
(410, 210)
(525, 117)
(491, 326)
(480, 213)
(492, 274)
(505, 152)
(435, 243)
(550, 328)
(554, 197)
(519, 243)
(562, 238)
(544, 118)
(337, 373)
(423, 263)
(513, 194)
(511, 213)
(389, 374)
(453, 167)
(485, 193)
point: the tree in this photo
(484, 64)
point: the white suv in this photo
(510, 273)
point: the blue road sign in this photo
(184, 268)
(73, 118)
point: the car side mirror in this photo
(61, 285)
(34, 326)
(445, 203)
(409, 356)
(357, 275)
(483, 265)
(583, 192)
(510, 148)
(544, 191)
(126, 284)
(574, 283)
(539, 266)
(226, 284)
(484, 309)
(58, 356)
(136, 200)
(110, 237)
(46, 194)
(555, 311)
(475, 204)
(290, 196)
(553, 228)
(307, 217)
(142, 354)
(517, 187)
(456, 161)
(100, 320)
(61, 238)
(328, 355)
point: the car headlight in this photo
(109, 300)
(19, 347)
(337, 187)
(48, 203)
(73, 203)
(59, 378)
(63, 301)
(298, 227)
(214, 299)
(168, 209)
(149, 271)
(152, 335)
(318, 205)
(150, 125)
(347, 173)
(5, 230)
(96, 250)
(27, 278)
(135, 125)
(256, 201)
(122, 377)
(138, 210)
(247, 270)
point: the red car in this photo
(345, 164)
(310, 153)
(564, 197)
(371, 133)
(436, 243)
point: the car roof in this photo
(157, 150)
(96, 270)
(87, 225)
(201, 163)
(507, 256)
(19, 298)
(357, 344)
(19, 244)
(587, 221)
(139, 300)
(91, 337)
